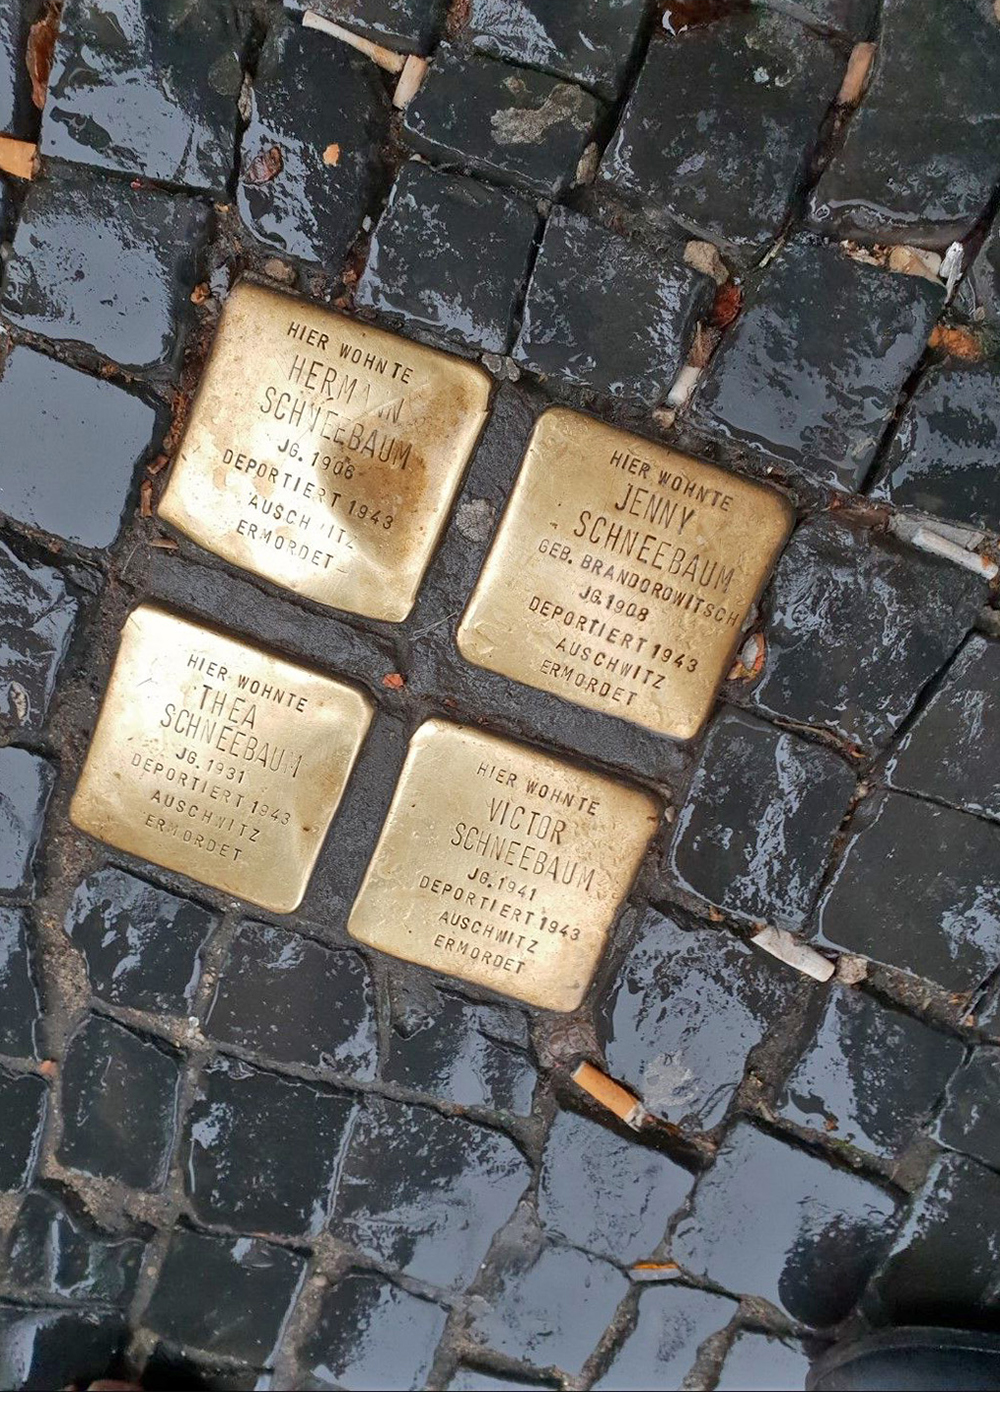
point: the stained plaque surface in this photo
(323, 454)
(218, 760)
(502, 865)
(621, 574)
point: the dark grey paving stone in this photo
(468, 1381)
(810, 373)
(857, 625)
(756, 1362)
(981, 288)
(106, 266)
(987, 1012)
(43, 1350)
(549, 1308)
(20, 1010)
(173, 1368)
(756, 828)
(924, 182)
(969, 1121)
(952, 751)
(425, 1194)
(717, 133)
(869, 1076)
(575, 39)
(25, 784)
(18, 114)
(918, 888)
(606, 313)
(310, 91)
(450, 254)
(37, 613)
(409, 25)
(471, 1055)
(685, 1010)
(855, 18)
(54, 1249)
(90, 428)
(941, 459)
(143, 945)
(261, 1150)
(229, 1295)
(23, 1100)
(500, 121)
(372, 1335)
(119, 1101)
(771, 1220)
(294, 1000)
(149, 91)
(673, 1322)
(944, 1265)
(605, 1194)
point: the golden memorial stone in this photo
(324, 454)
(502, 865)
(218, 760)
(621, 574)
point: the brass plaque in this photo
(218, 760)
(323, 454)
(621, 574)
(502, 865)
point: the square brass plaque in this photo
(502, 865)
(621, 574)
(323, 454)
(218, 760)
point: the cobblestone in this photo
(758, 822)
(101, 432)
(672, 1322)
(25, 785)
(309, 158)
(857, 627)
(923, 183)
(869, 1076)
(231, 1296)
(550, 1308)
(686, 1009)
(567, 37)
(143, 945)
(119, 1100)
(756, 1362)
(770, 1220)
(809, 375)
(373, 1336)
(19, 1004)
(948, 753)
(54, 1250)
(605, 1194)
(720, 127)
(451, 255)
(606, 313)
(105, 266)
(39, 1347)
(966, 1122)
(37, 613)
(261, 1150)
(152, 94)
(501, 122)
(951, 917)
(936, 462)
(295, 1001)
(23, 1100)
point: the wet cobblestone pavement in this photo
(244, 1149)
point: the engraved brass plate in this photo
(323, 454)
(501, 865)
(621, 574)
(218, 760)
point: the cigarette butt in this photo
(612, 1096)
(384, 58)
(17, 157)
